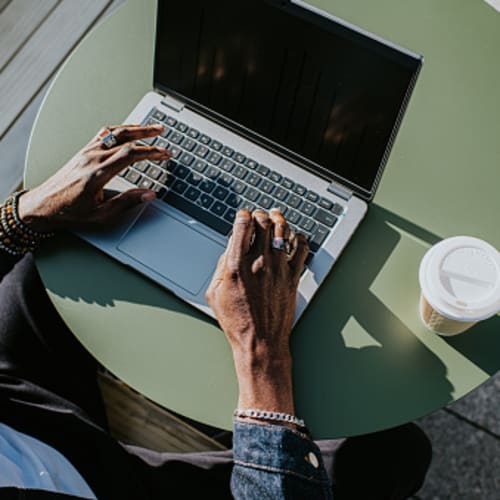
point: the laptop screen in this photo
(313, 89)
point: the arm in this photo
(253, 294)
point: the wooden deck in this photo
(35, 38)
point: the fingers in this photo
(262, 241)
(239, 244)
(128, 154)
(281, 230)
(111, 209)
(298, 259)
(127, 133)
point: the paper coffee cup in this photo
(460, 284)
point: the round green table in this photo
(362, 359)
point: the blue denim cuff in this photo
(277, 448)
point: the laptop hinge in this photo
(172, 103)
(339, 190)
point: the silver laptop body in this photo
(169, 239)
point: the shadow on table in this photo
(397, 376)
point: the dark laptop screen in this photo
(322, 91)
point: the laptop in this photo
(265, 103)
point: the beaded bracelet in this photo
(16, 238)
(269, 415)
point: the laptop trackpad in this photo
(172, 249)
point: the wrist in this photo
(30, 214)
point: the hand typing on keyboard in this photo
(253, 295)
(74, 196)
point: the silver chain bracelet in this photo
(269, 415)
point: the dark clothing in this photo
(48, 389)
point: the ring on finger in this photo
(107, 138)
(282, 244)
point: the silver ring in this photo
(281, 244)
(108, 138)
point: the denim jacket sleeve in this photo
(276, 462)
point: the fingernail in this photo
(149, 196)
(158, 125)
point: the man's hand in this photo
(74, 196)
(253, 295)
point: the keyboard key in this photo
(253, 179)
(154, 172)
(238, 187)
(227, 151)
(133, 176)
(240, 172)
(179, 186)
(170, 121)
(306, 224)
(212, 172)
(325, 217)
(225, 179)
(199, 166)
(338, 209)
(248, 206)
(318, 237)
(252, 164)
(274, 176)
(262, 169)
(280, 193)
(324, 203)
(214, 158)
(145, 183)
(141, 166)
(192, 193)
(307, 208)
(176, 138)
(300, 190)
(205, 201)
(175, 150)
(230, 215)
(171, 165)
(227, 165)
(166, 132)
(287, 183)
(218, 208)
(182, 127)
(293, 216)
(251, 194)
(181, 171)
(194, 178)
(293, 200)
(216, 145)
(266, 186)
(186, 159)
(265, 201)
(195, 211)
(193, 133)
(240, 158)
(204, 139)
(233, 200)
(151, 121)
(158, 115)
(159, 190)
(312, 196)
(163, 178)
(220, 193)
(201, 151)
(161, 143)
(207, 186)
(188, 144)
(280, 206)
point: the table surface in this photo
(362, 359)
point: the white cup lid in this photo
(460, 278)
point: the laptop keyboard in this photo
(211, 181)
